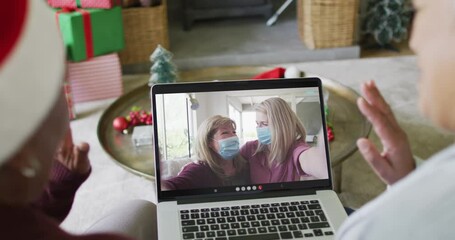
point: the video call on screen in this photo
(180, 114)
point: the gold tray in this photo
(348, 123)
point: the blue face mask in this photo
(229, 147)
(264, 135)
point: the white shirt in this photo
(420, 206)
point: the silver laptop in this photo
(297, 209)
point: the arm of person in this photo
(395, 161)
(167, 185)
(313, 160)
(184, 179)
(193, 175)
(70, 169)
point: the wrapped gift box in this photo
(94, 79)
(84, 3)
(91, 32)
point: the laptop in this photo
(293, 209)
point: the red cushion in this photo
(271, 74)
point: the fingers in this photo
(381, 166)
(83, 147)
(372, 95)
(81, 163)
(392, 164)
(381, 124)
(65, 146)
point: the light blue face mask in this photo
(264, 135)
(229, 147)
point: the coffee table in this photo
(348, 123)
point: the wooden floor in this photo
(403, 50)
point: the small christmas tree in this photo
(162, 70)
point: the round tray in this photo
(348, 123)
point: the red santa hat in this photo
(32, 67)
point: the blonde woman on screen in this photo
(281, 154)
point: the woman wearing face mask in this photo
(281, 154)
(218, 164)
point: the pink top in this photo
(288, 171)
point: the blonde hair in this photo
(285, 128)
(205, 154)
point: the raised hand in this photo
(396, 160)
(73, 157)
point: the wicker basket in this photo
(327, 23)
(145, 28)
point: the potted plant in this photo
(387, 21)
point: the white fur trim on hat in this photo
(30, 78)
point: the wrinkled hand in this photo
(73, 157)
(396, 160)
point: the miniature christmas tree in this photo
(162, 70)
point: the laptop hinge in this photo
(219, 198)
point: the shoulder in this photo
(299, 147)
(249, 147)
(427, 193)
(195, 167)
(251, 144)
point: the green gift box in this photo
(88, 33)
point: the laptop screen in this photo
(239, 137)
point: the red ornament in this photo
(330, 134)
(120, 124)
(135, 117)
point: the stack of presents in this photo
(93, 34)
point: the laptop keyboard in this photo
(284, 220)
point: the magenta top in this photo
(200, 175)
(288, 171)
